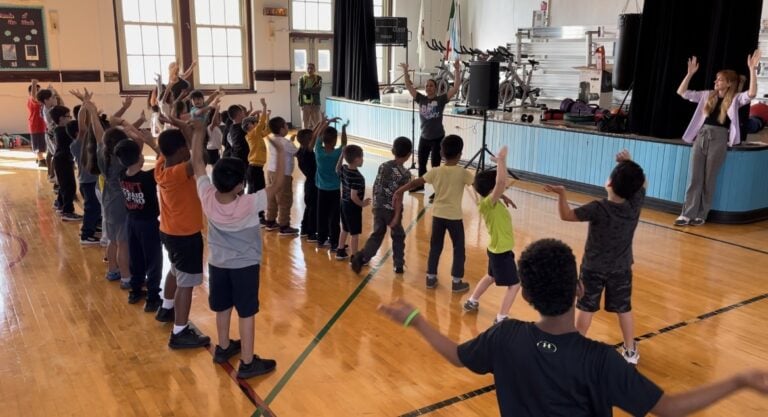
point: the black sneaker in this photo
(311, 238)
(431, 282)
(165, 315)
(399, 270)
(71, 217)
(41, 163)
(432, 198)
(90, 240)
(341, 254)
(257, 366)
(460, 286)
(287, 231)
(136, 296)
(222, 355)
(151, 306)
(357, 262)
(188, 338)
(271, 225)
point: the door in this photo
(306, 49)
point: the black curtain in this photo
(721, 33)
(354, 51)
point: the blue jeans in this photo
(91, 209)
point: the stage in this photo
(579, 158)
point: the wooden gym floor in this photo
(70, 344)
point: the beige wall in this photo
(85, 40)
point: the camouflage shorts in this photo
(617, 286)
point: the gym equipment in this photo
(444, 77)
(626, 50)
(514, 85)
(526, 118)
(484, 85)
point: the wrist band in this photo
(410, 317)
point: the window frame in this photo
(186, 47)
(305, 31)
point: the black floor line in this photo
(450, 401)
(673, 228)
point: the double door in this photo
(306, 49)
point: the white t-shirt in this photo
(215, 136)
(234, 229)
(290, 151)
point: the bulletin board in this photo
(23, 43)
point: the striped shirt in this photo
(351, 179)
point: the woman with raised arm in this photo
(431, 108)
(713, 128)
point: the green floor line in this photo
(316, 340)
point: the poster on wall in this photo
(22, 39)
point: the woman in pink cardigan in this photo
(713, 128)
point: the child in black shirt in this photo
(305, 157)
(63, 165)
(142, 225)
(352, 199)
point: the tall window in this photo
(381, 52)
(311, 15)
(220, 37)
(150, 37)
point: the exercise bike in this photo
(514, 86)
(444, 77)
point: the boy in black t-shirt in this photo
(305, 157)
(607, 262)
(547, 368)
(352, 199)
(146, 254)
(64, 165)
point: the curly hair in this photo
(548, 276)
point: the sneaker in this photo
(697, 222)
(682, 221)
(323, 244)
(136, 296)
(341, 254)
(41, 163)
(188, 338)
(303, 234)
(113, 276)
(630, 355)
(257, 366)
(471, 306)
(356, 262)
(71, 217)
(399, 270)
(125, 285)
(432, 198)
(312, 238)
(417, 190)
(90, 240)
(222, 355)
(460, 286)
(497, 321)
(431, 282)
(151, 306)
(271, 225)
(165, 315)
(333, 248)
(288, 231)
(262, 222)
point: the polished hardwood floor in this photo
(70, 345)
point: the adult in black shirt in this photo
(431, 108)
(547, 368)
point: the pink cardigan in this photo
(734, 136)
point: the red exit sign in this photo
(275, 11)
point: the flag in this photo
(420, 40)
(454, 32)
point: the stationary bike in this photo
(514, 86)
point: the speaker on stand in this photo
(484, 96)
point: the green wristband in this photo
(410, 317)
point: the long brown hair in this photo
(732, 78)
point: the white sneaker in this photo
(682, 221)
(630, 355)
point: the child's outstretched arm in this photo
(501, 176)
(566, 212)
(403, 313)
(126, 105)
(196, 148)
(344, 134)
(340, 161)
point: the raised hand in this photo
(753, 60)
(344, 126)
(500, 155)
(367, 202)
(557, 189)
(623, 156)
(404, 66)
(263, 102)
(693, 65)
(508, 202)
(457, 65)
(127, 102)
(77, 94)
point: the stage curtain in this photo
(721, 33)
(354, 51)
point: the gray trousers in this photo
(381, 219)
(707, 156)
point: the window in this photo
(324, 60)
(299, 60)
(381, 52)
(311, 15)
(220, 40)
(150, 38)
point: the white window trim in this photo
(290, 17)
(123, 55)
(243, 43)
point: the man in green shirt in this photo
(310, 85)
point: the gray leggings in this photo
(707, 156)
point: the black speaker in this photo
(483, 85)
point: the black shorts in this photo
(618, 291)
(185, 252)
(502, 267)
(234, 287)
(351, 218)
(38, 142)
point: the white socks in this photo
(167, 304)
(178, 329)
